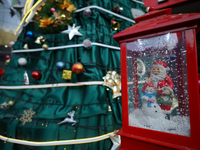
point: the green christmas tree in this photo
(48, 104)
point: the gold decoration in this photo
(11, 103)
(7, 61)
(45, 46)
(109, 108)
(115, 25)
(37, 41)
(40, 40)
(71, 8)
(63, 17)
(27, 116)
(112, 82)
(25, 46)
(45, 22)
(65, 5)
(67, 74)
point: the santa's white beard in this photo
(159, 77)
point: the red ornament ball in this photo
(36, 75)
(77, 68)
(152, 9)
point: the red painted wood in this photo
(165, 4)
(139, 138)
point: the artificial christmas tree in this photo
(42, 99)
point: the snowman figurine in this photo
(150, 108)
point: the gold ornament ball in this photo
(45, 46)
(7, 61)
(63, 17)
(11, 103)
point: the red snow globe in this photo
(160, 93)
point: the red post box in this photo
(160, 92)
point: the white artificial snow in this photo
(177, 124)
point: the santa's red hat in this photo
(147, 85)
(160, 64)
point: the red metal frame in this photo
(139, 138)
(165, 4)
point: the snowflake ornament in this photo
(27, 116)
(4, 105)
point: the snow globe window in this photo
(157, 84)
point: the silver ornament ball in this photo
(87, 43)
(22, 61)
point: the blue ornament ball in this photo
(30, 34)
(60, 65)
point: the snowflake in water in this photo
(27, 116)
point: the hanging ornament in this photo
(25, 46)
(36, 75)
(117, 9)
(109, 108)
(53, 9)
(45, 46)
(8, 57)
(149, 9)
(67, 74)
(72, 31)
(109, 82)
(70, 120)
(60, 65)
(11, 103)
(27, 116)
(26, 79)
(87, 12)
(7, 61)
(116, 92)
(117, 80)
(87, 43)
(40, 40)
(77, 68)
(63, 17)
(30, 34)
(115, 24)
(4, 105)
(22, 61)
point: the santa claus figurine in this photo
(164, 84)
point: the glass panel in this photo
(157, 84)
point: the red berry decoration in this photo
(77, 68)
(36, 75)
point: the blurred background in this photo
(10, 16)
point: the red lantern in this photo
(36, 75)
(77, 68)
(160, 89)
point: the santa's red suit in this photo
(164, 83)
(167, 84)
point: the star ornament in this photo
(72, 31)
